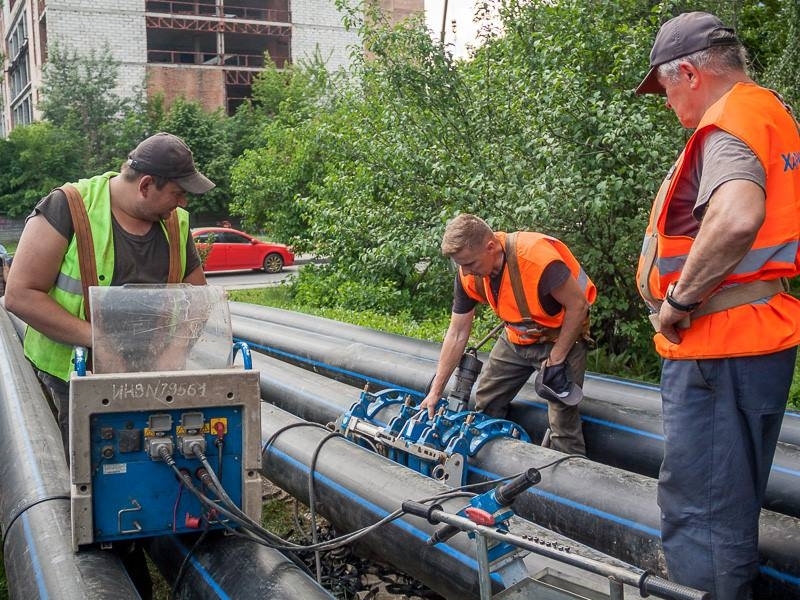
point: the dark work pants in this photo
(58, 392)
(510, 366)
(722, 418)
(130, 552)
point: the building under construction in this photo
(203, 50)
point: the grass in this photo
(279, 297)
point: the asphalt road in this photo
(241, 280)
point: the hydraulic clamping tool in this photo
(390, 423)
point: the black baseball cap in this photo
(572, 396)
(683, 35)
(166, 155)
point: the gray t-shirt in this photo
(137, 258)
(723, 157)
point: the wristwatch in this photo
(677, 305)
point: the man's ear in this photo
(145, 181)
(691, 73)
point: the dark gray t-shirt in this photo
(137, 258)
(723, 158)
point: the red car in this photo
(234, 250)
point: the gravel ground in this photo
(343, 573)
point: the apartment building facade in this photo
(203, 50)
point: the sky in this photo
(462, 11)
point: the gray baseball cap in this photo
(166, 155)
(680, 36)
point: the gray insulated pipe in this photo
(612, 510)
(355, 489)
(621, 420)
(35, 495)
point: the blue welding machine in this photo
(165, 434)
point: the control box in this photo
(165, 434)
(121, 486)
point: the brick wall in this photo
(317, 23)
(88, 24)
(206, 86)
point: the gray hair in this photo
(464, 232)
(717, 60)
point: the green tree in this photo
(540, 131)
(79, 95)
(273, 176)
(780, 67)
(206, 134)
(35, 159)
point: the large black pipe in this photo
(612, 510)
(35, 515)
(355, 488)
(619, 431)
(216, 576)
(633, 394)
(35, 495)
(221, 566)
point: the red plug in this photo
(191, 522)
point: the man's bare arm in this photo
(453, 346)
(196, 277)
(34, 270)
(576, 308)
(736, 211)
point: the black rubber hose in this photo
(506, 493)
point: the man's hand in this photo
(670, 320)
(555, 377)
(429, 403)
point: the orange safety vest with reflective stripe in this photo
(769, 324)
(535, 251)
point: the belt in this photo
(729, 297)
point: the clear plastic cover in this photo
(169, 327)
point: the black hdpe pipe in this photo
(355, 488)
(35, 495)
(222, 566)
(35, 514)
(611, 510)
(618, 431)
(632, 394)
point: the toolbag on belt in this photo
(528, 326)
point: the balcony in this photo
(210, 9)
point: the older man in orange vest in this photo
(723, 235)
